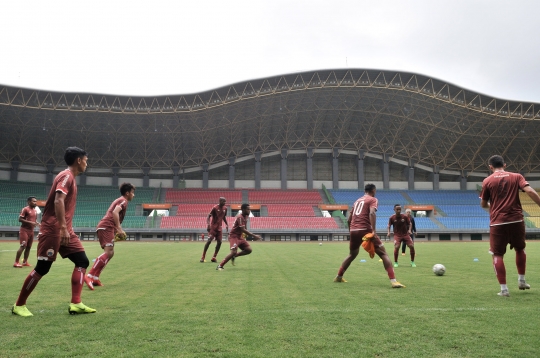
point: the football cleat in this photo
(213, 259)
(202, 260)
(17, 265)
(402, 254)
(220, 268)
(413, 264)
(26, 264)
(89, 282)
(76, 308)
(397, 285)
(523, 285)
(98, 283)
(339, 279)
(21, 311)
(232, 260)
(504, 293)
(396, 264)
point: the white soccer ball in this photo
(439, 269)
(320, 243)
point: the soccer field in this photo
(280, 301)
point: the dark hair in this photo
(396, 205)
(30, 198)
(369, 187)
(72, 153)
(126, 188)
(496, 161)
(244, 206)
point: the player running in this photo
(26, 232)
(500, 193)
(217, 216)
(402, 231)
(362, 221)
(56, 236)
(107, 228)
(237, 237)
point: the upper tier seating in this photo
(385, 197)
(307, 223)
(185, 222)
(290, 210)
(444, 197)
(470, 222)
(284, 197)
(190, 196)
(197, 210)
(463, 210)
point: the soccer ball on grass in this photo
(439, 269)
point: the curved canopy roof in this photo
(403, 115)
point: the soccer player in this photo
(56, 236)
(500, 193)
(362, 220)
(402, 229)
(107, 228)
(26, 233)
(413, 231)
(217, 216)
(237, 237)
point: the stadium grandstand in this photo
(298, 147)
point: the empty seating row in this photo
(442, 197)
(108, 194)
(188, 196)
(290, 210)
(196, 210)
(470, 222)
(285, 197)
(385, 197)
(185, 222)
(463, 210)
(292, 223)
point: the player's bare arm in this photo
(116, 218)
(226, 223)
(485, 204)
(244, 230)
(21, 220)
(532, 194)
(410, 229)
(373, 220)
(208, 221)
(60, 214)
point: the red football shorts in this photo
(399, 240)
(49, 246)
(215, 234)
(502, 235)
(106, 237)
(26, 237)
(236, 242)
(356, 239)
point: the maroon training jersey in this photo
(401, 225)
(64, 183)
(360, 213)
(501, 189)
(217, 213)
(108, 221)
(29, 214)
(239, 222)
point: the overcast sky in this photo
(179, 47)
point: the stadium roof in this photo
(402, 115)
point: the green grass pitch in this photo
(280, 301)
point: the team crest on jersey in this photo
(402, 220)
(50, 252)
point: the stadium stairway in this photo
(317, 211)
(324, 197)
(437, 222)
(173, 211)
(245, 197)
(264, 211)
(138, 210)
(407, 197)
